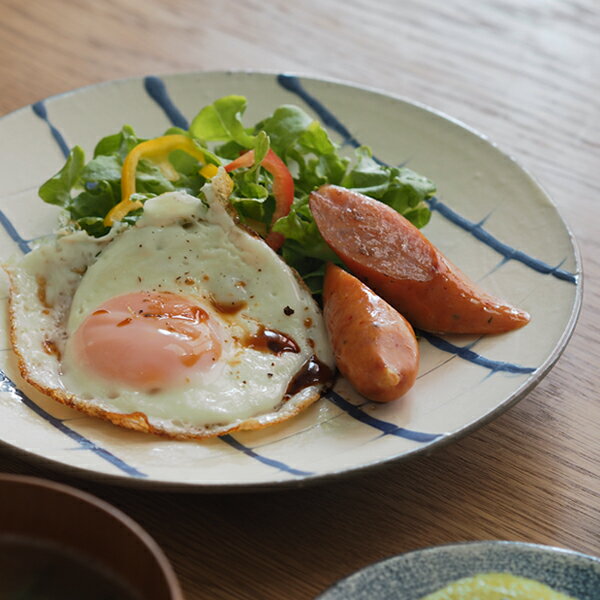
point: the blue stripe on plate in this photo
(292, 84)
(505, 250)
(39, 108)
(228, 439)
(383, 426)
(157, 90)
(466, 353)
(7, 385)
(13, 233)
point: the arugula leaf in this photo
(102, 168)
(222, 121)
(57, 190)
(262, 145)
(251, 197)
(302, 234)
(284, 128)
(367, 176)
(407, 194)
(93, 201)
(119, 144)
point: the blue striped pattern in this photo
(505, 250)
(466, 353)
(7, 385)
(292, 84)
(384, 426)
(13, 233)
(39, 108)
(276, 464)
(157, 91)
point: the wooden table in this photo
(525, 73)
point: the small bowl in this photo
(412, 575)
(59, 520)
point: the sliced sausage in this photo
(395, 259)
(374, 346)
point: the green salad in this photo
(274, 166)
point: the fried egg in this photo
(185, 324)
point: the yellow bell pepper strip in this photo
(157, 150)
(209, 170)
(283, 187)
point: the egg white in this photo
(193, 248)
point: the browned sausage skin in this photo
(395, 259)
(374, 346)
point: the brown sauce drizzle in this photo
(270, 340)
(198, 314)
(100, 311)
(312, 372)
(124, 322)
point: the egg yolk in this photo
(148, 340)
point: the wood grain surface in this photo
(524, 72)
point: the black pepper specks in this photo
(288, 310)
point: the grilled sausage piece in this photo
(374, 346)
(394, 258)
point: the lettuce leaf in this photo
(222, 121)
(87, 191)
(57, 190)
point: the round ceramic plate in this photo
(415, 574)
(489, 217)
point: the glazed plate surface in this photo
(489, 217)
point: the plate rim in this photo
(377, 464)
(494, 544)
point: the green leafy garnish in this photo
(222, 121)
(57, 190)
(88, 191)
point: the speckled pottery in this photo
(489, 217)
(412, 575)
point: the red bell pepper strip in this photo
(283, 187)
